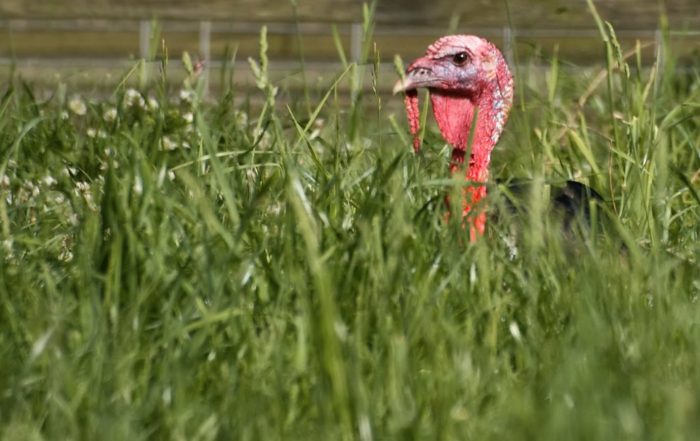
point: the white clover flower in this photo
(133, 97)
(187, 96)
(91, 133)
(64, 115)
(7, 246)
(66, 255)
(188, 117)
(275, 209)
(265, 141)
(5, 181)
(77, 106)
(241, 118)
(319, 124)
(34, 189)
(166, 143)
(153, 103)
(110, 115)
(131, 94)
(49, 180)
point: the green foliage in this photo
(191, 269)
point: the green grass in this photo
(225, 270)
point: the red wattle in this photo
(413, 113)
(454, 114)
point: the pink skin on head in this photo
(465, 75)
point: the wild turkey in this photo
(471, 92)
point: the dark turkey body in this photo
(574, 206)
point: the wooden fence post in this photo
(356, 42)
(144, 39)
(659, 40)
(508, 35)
(205, 52)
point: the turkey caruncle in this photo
(471, 92)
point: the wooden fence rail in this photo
(114, 38)
(81, 43)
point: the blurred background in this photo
(91, 43)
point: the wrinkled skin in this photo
(413, 113)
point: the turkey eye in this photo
(460, 58)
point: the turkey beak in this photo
(418, 75)
(404, 84)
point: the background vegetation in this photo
(174, 268)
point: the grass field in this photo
(179, 268)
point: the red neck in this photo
(455, 114)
